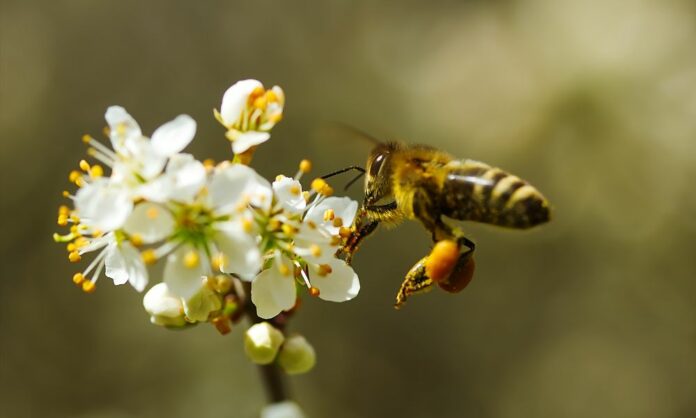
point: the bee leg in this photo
(416, 281)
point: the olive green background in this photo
(593, 102)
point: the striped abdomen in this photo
(475, 191)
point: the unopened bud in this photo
(164, 307)
(261, 343)
(297, 355)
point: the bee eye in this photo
(376, 164)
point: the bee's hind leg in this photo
(416, 281)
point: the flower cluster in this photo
(227, 236)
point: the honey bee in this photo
(417, 182)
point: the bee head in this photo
(378, 174)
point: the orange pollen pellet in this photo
(88, 286)
(78, 278)
(442, 260)
(74, 257)
(313, 291)
(305, 166)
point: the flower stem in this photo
(273, 378)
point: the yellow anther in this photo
(88, 286)
(318, 184)
(64, 210)
(223, 283)
(96, 233)
(247, 225)
(315, 250)
(152, 212)
(84, 165)
(74, 176)
(74, 257)
(327, 191)
(274, 224)
(284, 270)
(288, 229)
(191, 259)
(78, 278)
(305, 166)
(71, 247)
(271, 96)
(86, 138)
(335, 240)
(106, 131)
(62, 220)
(338, 222)
(136, 239)
(96, 171)
(74, 229)
(306, 196)
(344, 232)
(279, 177)
(218, 261)
(74, 218)
(261, 102)
(80, 182)
(313, 291)
(276, 117)
(329, 215)
(66, 193)
(209, 163)
(81, 242)
(311, 225)
(295, 190)
(91, 151)
(258, 91)
(149, 256)
(324, 270)
(121, 128)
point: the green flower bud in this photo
(297, 355)
(261, 342)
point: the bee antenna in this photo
(356, 178)
(343, 170)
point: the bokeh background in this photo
(594, 102)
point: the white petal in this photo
(103, 205)
(234, 183)
(143, 159)
(152, 222)
(246, 140)
(160, 301)
(182, 280)
(273, 292)
(187, 176)
(314, 245)
(240, 253)
(285, 409)
(202, 304)
(343, 207)
(288, 191)
(235, 99)
(340, 285)
(174, 136)
(124, 264)
(122, 127)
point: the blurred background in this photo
(593, 102)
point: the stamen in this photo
(96, 171)
(324, 269)
(313, 291)
(88, 286)
(136, 239)
(149, 256)
(63, 210)
(315, 250)
(62, 220)
(288, 230)
(283, 269)
(74, 257)
(103, 158)
(84, 166)
(191, 259)
(338, 222)
(329, 215)
(78, 278)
